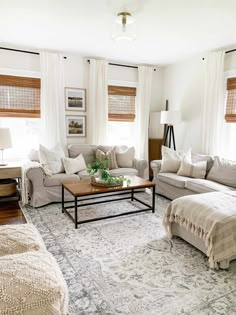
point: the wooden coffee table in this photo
(83, 189)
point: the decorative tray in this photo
(102, 183)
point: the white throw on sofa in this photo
(220, 174)
(45, 186)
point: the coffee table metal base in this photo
(128, 194)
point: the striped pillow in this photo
(111, 155)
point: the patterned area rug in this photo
(127, 265)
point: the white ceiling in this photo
(167, 30)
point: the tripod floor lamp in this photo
(169, 119)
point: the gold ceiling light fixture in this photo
(124, 27)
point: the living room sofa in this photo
(220, 178)
(43, 189)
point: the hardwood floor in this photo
(10, 213)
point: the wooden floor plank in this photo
(10, 213)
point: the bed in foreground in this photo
(208, 222)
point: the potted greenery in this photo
(99, 168)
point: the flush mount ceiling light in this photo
(124, 27)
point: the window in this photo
(230, 112)
(121, 115)
(20, 111)
(19, 96)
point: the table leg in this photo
(153, 199)
(132, 195)
(62, 198)
(76, 214)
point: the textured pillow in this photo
(51, 160)
(125, 158)
(111, 155)
(196, 157)
(171, 159)
(75, 165)
(223, 171)
(190, 169)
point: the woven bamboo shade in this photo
(121, 103)
(19, 96)
(230, 112)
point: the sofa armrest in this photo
(140, 165)
(33, 176)
(156, 167)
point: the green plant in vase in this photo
(100, 167)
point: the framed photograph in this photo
(75, 126)
(75, 99)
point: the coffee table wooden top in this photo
(84, 186)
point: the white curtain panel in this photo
(143, 110)
(52, 128)
(98, 102)
(213, 109)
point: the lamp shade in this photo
(5, 138)
(170, 117)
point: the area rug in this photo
(127, 265)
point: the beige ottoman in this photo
(19, 238)
(31, 283)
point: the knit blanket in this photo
(209, 216)
(25, 185)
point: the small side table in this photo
(11, 170)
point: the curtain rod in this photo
(227, 52)
(23, 51)
(120, 65)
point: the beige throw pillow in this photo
(111, 155)
(223, 171)
(73, 166)
(51, 160)
(125, 158)
(171, 159)
(191, 169)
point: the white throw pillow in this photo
(75, 165)
(171, 159)
(191, 169)
(223, 171)
(125, 158)
(51, 160)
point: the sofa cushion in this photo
(171, 159)
(87, 150)
(223, 171)
(58, 179)
(15, 239)
(192, 169)
(83, 174)
(124, 171)
(110, 155)
(203, 186)
(75, 165)
(125, 158)
(32, 283)
(51, 160)
(201, 157)
(173, 179)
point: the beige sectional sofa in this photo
(220, 176)
(31, 280)
(44, 189)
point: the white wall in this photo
(184, 88)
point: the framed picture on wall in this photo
(75, 126)
(75, 99)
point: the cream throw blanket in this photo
(209, 216)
